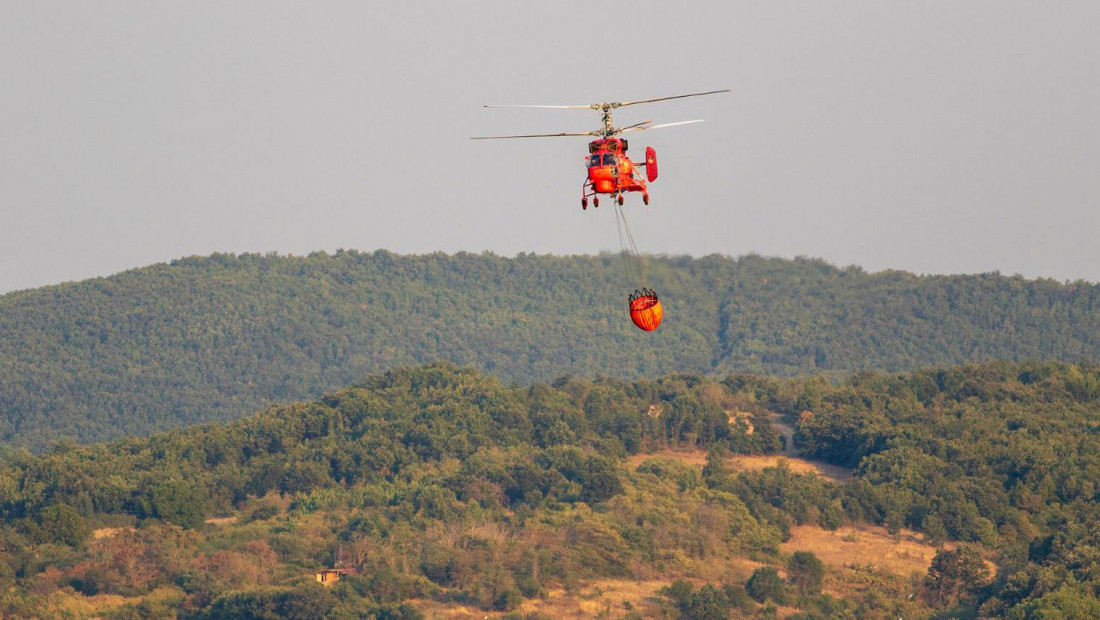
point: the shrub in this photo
(805, 572)
(764, 585)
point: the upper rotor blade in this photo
(534, 135)
(647, 126)
(710, 92)
(556, 107)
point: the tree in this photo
(680, 593)
(955, 575)
(1067, 602)
(765, 584)
(404, 611)
(179, 503)
(716, 472)
(709, 603)
(738, 597)
(61, 523)
(805, 572)
(7, 575)
(600, 481)
(934, 529)
(308, 602)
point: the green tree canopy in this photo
(805, 572)
(220, 337)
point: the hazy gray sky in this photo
(931, 136)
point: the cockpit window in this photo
(594, 160)
(610, 160)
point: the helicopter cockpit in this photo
(602, 159)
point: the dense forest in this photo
(208, 339)
(438, 485)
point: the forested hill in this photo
(216, 338)
(442, 487)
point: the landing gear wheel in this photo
(596, 202)
(621, 200)
(645, 198)
(584, 203)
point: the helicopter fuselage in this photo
(610, 171)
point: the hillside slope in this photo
(445, 489)
(215, 338)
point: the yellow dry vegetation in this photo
(107, 532)
(833, 473)
(605, 598)
(698, 458)
(688, 457)
(69, 604)
(860, 559)
(864, 545)
(611, 597)
(743, 416)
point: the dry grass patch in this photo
(698, 458)
(107, 532)
(434, 610)
(612, 597)
(743, 416)
(68, 604)
(832, 473)
(864, 545)
(687, 457)
(601, 597)
(71, 605)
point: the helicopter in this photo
(610, 170)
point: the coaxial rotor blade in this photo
(535, 135)
(554, 107)
(710, 92)
(633, 128)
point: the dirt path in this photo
(787, 431)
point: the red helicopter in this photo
(610, 171)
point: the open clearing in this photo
(864, 545)
(70, 604)
(833, 473)
(606, 596)
(796, 464)
(107, 532)
(788, 457)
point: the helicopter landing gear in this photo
(621, 199)
(645, 198)
(584, 203)
(595, 202)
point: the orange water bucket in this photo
(645, 310)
